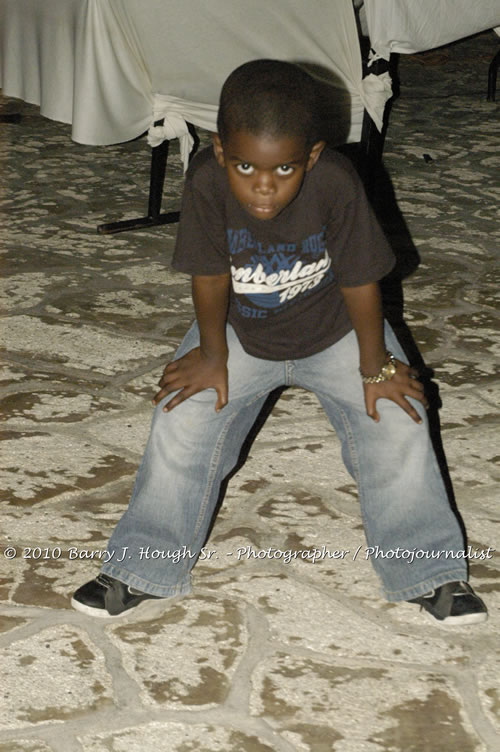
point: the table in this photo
(409, 26)
(37, 53)
(111, 68)
(71, 57)
(116, 68)
(106, 66)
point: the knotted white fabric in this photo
(376, 91)
(175, 112)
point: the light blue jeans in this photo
(190, 450)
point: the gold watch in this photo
(386, 372)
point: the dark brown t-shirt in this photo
(286, 272)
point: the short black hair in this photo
(272, 98)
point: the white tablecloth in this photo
(410, 26)
(110, 67)
(37, 53)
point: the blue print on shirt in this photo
(276, 275)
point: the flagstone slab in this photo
(139, 298)
(55, 675)
(25, 745)
(40, 465)
(485, 502)
(46, 584)
(294, 404)
(291, 529)
(186, 658)
(483, 542)
(123, 389)
(72, 519)
(177, 737)
(443, 349)
(145, 385)
(486, 582)
(489, 689)
(74, 236)
(47, 577)
(154, 272)
(43, 405)
(65, 236)
(12, 569)
(27, 290)
(8, 623)
(78, 347)
(24, 376)
(302, 616)
(316, 705)
(140, 310)
(473, 455)
(490, 394)
(125, 431)
(284, 463)
(464, 369)
(426, 289)
(58, 545)
(462, 409)
(10, 374)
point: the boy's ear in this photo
(218, 149)
(314, 154)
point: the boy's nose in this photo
(264, 183)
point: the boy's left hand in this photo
(403, 384)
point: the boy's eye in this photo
(244, 168)
(284, 169)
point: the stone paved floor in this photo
(267, 654)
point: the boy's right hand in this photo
(193, 373)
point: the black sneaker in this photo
(454, 604)
(107, 598)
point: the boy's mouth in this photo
(264, 210)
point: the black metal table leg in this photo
(492, 77)
(14, 117)
(154, 216)
(372, 140)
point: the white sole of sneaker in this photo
(150, 609)
(451, 622)
(98, 613)
(463, 621)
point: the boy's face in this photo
(265, 174)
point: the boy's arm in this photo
(205, 366)
(365, 310)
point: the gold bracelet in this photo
(386, 372)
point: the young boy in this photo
(285, 256)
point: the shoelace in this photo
(461, 588)
(107, 582)
(104, 580)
